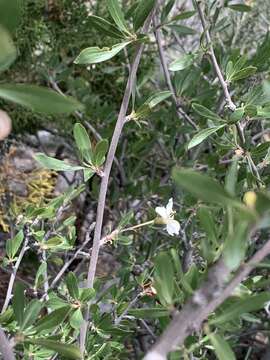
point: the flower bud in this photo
(250, 198)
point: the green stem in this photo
(138, 226)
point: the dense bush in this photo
(158, 247)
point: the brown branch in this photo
(204, 301)
(5, 347)
(107, 170)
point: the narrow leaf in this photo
(117, 15)
(18, 303)
(94, 55)
(183, 62)
(83, 142)
(157, 98)
(240, 7)
(39, 99)
(202, 135)
(52, 320)
(142, 11)
(14, 244)
(236, 309)
(235, 245)
(100, 152)
(149, 313)
(183, 15)
(164, 278)
(243, 73)
(222, 348)
(55, 164)
(76, 319)
(202, 186)
(203, 111)
(31, 313)
(105, 26)
(8, 51)
(66, 350)
(72, 285)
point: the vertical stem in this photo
(13, 275)
(107, 169)
(223, 83)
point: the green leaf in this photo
(117, 15)
(243, 73)
(208, 224)
(100, 152)
(83, 142)
(203, 187)
(183, 62)
(203, 111)
(52, 320)
(166, 10)
(72, 285)
(94, 55)
(87, 174)
(76, 319)
(8, 51)
(124, 240)
(221, 347)
(202, 135)
(142, 11)
(182, 30)
(66, 350)
(105, 26)
(40, 274)
(231, 177)
(235, 245)
(236, 309)
(13, 245)
(55, 164)
(164, 278)
(86, 294)
(149, 313)
(31, 313)
(10, 14)
(157, 98)
(18, 302)
(39, 99)
(184, 15)
(240, 7)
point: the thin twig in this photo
(107, 169)
(5, 347)
(180, 112)
(231, 105)
(24, 248)
(204, 301)
(223, 83)
(69, 262)
(118, 320)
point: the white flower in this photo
(167, 217)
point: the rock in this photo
(5, 125)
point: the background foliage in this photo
(146, 275)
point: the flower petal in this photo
(173, 227)
(169, 207)
(161, 211)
